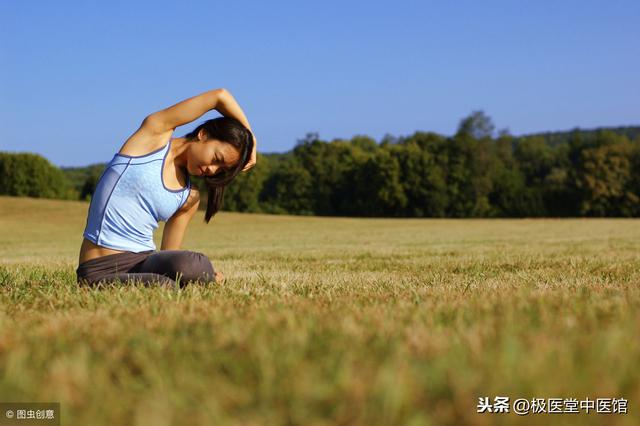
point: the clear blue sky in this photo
(77, 78)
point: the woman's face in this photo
(207, 157)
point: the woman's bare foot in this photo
(219, 277)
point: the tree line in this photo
(477, 172)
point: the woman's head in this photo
(218, 150)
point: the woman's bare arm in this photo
(193, 108)
(184, 112)
(175, 227)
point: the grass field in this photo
(327, 321)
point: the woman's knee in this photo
(189, 265)
(195, 266)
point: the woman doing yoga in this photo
(149, 180)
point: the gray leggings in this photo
(152, 268)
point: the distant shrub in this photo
(31, 175)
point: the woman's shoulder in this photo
(145, 140)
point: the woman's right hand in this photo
(252, 157)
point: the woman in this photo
(148, 180)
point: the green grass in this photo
(326, 321)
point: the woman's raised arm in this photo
(185, 111)
(191, 109)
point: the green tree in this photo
(327, 165)
(377, 187)
(422, 176)
(31, 175)
(606, 180)
(477, 125)
(243, 194)
(287, 189)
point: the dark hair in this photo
(228, 130)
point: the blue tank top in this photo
(129, 200)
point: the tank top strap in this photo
(157, 154)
